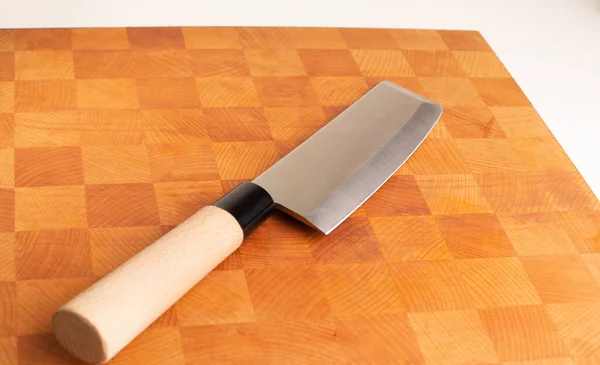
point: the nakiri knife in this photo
(321, 182)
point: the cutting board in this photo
(482, 249)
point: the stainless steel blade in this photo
(328, 176)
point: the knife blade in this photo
(334, 171)
(321, 182)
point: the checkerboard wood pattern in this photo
(484, 248)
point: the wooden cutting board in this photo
(483, 248)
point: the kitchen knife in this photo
(321, 182)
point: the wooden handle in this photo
(99, 322)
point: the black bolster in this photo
(250, 205)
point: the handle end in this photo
(79, 337)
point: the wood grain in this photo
(350, 289)
(295, 288)
(161, 64)
(474, 236)
(371, 339)
(116, 164)
(423, 39)
(7, 96)
(522, 333)
(205, 63)
(433, 63)
(7, 256)
(561, 278)
(463, 122)
(432, 286)
(50, 207)
(111, 127)
(8, 320)
(47, 129)
(7, 73)
(38, 299)
(182, 162)
(43, 39)
(44, 65)
(453, 337)
(7, 160)
(110, 247)
(211, 38)
(274, 62)
(308, 341)
(203, 344)
(103, 64)
(7, 130)
(167, 93)
(204, 304)
(44, 166)
(100, 38)
(409, 238)
(8, 350)
(481, 249)
(40, 96)
(52, 254)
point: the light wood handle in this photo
(99, 322)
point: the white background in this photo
(551, 47)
